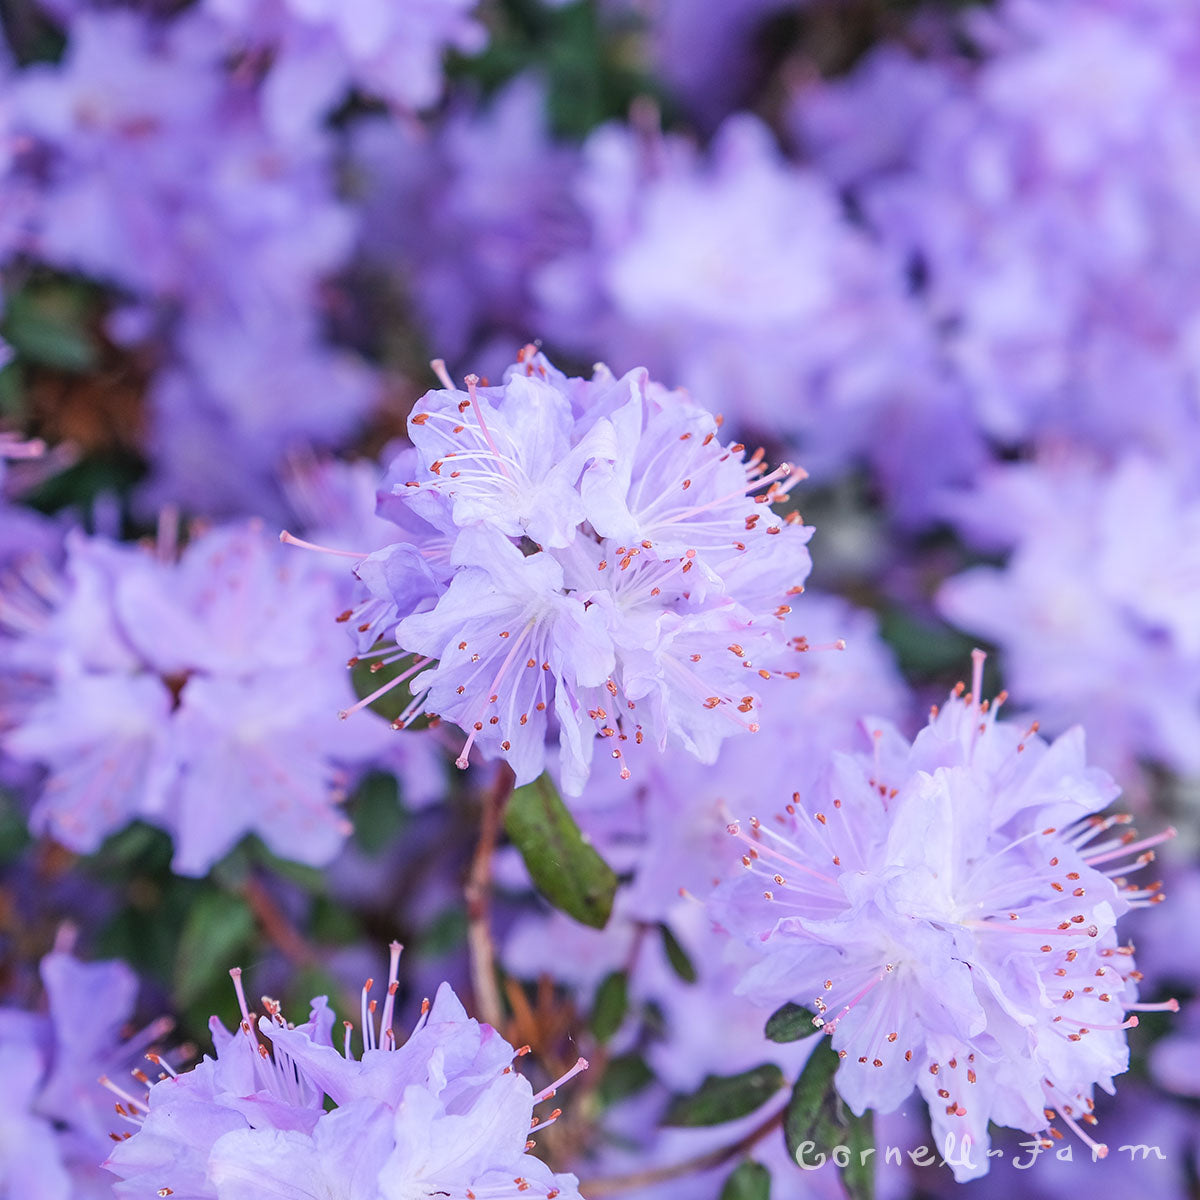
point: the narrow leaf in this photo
(751, 1181)
(623, 1077)
(677, 956)
(808, 1103)
(608, 1009)
(858, 1176)
(217, 929)
(722, 1098)
(563, 866)
(790, 1023)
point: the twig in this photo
(280, 931)
(478, 893)
(609, 1185)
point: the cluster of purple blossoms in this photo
(1097, 610)
(280, 1112)
(666, 832)
(56, 1118)
(466, 211)
(220, 254)
(583, 550)
(172, 689)
(705, 55)
(319, 50)
(665, 828)
(738, 274)
(1052, 221)
(948, 908)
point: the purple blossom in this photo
(1052, 220)
(706, 56)
(666, 827)
(466, 210)
(947, 908)
(14, 448)
(320, 49)
(221, 250)
(192, 694)
(443, 1113)
(594, 554)
(57, 1117)
(1097, 610)
(666, 830)
(738, 274)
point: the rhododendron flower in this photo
(280, 1113)
(1097, 610)
(192, 694)
(586, 551)
(55, 1122)
(948, 910)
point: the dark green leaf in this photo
(392, 703)
(608, 1008)
(790, 1023)
(722, 1098)
(810, 1096)
(47, 325)
(445, 932)
(330, 923)
(677, 956)
(924, 648)
(12, 392)
(817, 1115)
(858, 1176)
(218, 928)
(14, 835)
(137, 847)
(563, 866)
(751, 1181)
(311, 879)
(376, 812)
(623, 1077)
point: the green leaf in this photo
(751, 1181)
(218, 928)
(858, 1176)
(677, 956)
(14, 834)
(365, 681)
(790, 1023)
(376, 812)
(47, 325)
(563, 866)
(810, 1098)
(924, 648)
(624, 1076)
(136, 848)
(722, 1098)
(311, 879)
(445, 932)
(329, 923)
(608, 1008)
(817, 1114)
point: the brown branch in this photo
(478, 894)
(609, 1185)
(280, 931)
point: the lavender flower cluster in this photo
(531, 328)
